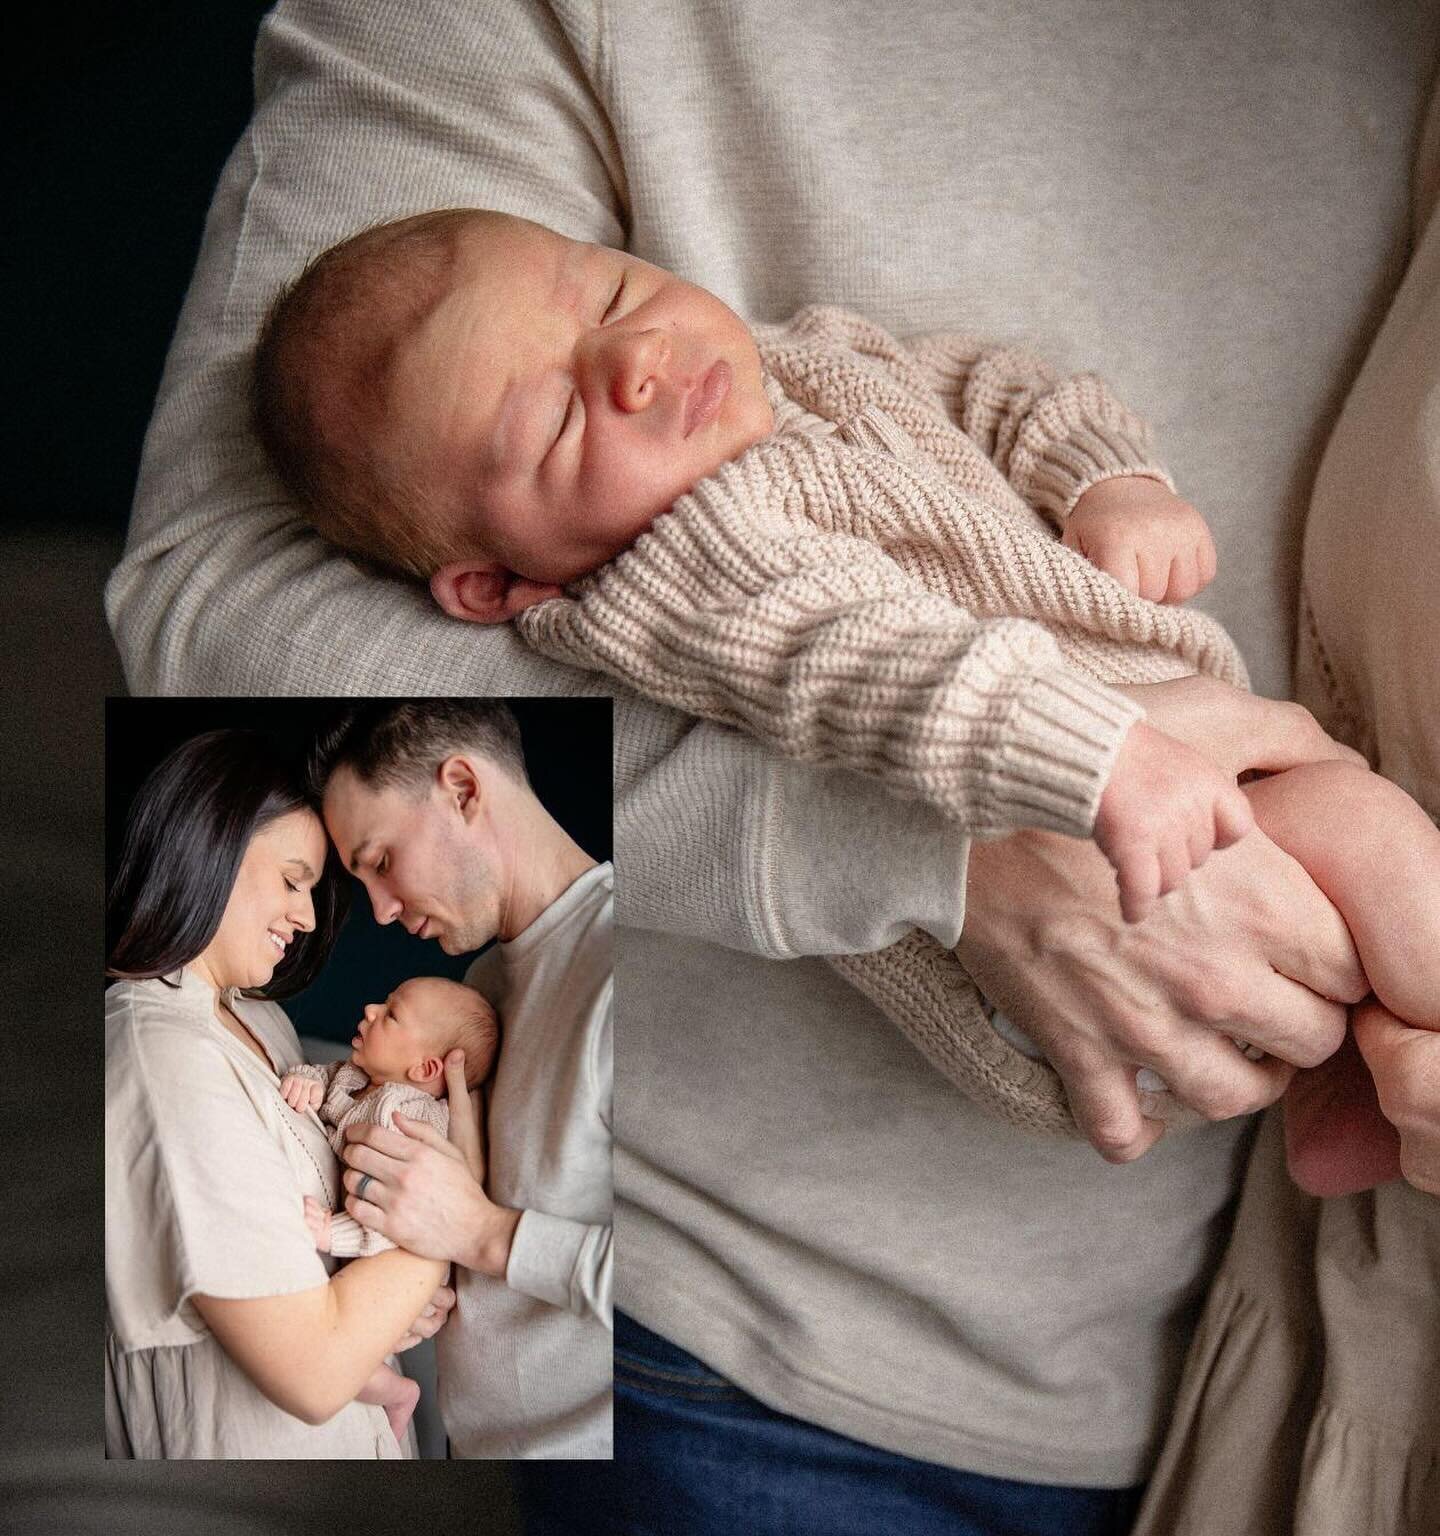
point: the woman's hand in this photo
(1240, 732)
(430, 1321)
(1405, 1064)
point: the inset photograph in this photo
(358, 1079)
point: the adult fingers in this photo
(1300, 932)
(422, 1131)
(368, 1211)
(1405, 1063)
(1212, 1076)
(380, 1139)
(464, 1132)
(1106, 1105)
(377, 1192)
(1286, 1020)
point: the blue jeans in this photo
(696, 1456)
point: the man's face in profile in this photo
(421, 863)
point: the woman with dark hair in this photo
(227, 1334)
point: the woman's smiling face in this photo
(269, 903)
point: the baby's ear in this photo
(427, 1071)
(485, 593)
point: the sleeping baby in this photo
(929, 560)
(396, 1062)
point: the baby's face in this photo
(403, 1032)
(576, 392)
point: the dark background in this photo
(121, 117)
(567, 756)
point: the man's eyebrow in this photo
(356, 855)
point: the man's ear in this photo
(486, 593)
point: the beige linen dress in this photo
(205, 1170)
(1310, 1403)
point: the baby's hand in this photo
(301, 1092)
(1143, 535)
(1165, 809)
(317, 1218)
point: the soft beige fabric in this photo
(341, 1109)
(825, 592)
(206, 1168)
(1310, 1403)
(525, 1362)
(1204, 204)
(1308, 1406)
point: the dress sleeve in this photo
(200, 1196)
(1051, 437)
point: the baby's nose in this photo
(640, 360)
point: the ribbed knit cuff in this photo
(1054, 754)
(1075, 438)
(543, 1256)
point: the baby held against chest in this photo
(396, 1062)
(476, 401)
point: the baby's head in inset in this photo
(405, 1038)
(472, 399)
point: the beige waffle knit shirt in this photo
(879, 585)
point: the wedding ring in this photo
(360, 1187)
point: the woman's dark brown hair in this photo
(187, 832)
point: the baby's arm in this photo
(1076, 453)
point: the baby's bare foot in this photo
(400, 1408)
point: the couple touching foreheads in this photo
(236, 1173)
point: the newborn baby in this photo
(396, 1062)
(794, 531)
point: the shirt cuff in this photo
(543, 1256)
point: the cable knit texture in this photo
(879, 585)
(340, 1109)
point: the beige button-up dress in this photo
(205, 1170)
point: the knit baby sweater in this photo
(341, 1108)
(879, 585)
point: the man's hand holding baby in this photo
(301, 1093)
(1137, 530)
(426, 1191)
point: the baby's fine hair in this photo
(475, 1028)
(320, 389)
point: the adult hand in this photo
(423, 1194)
(1405, 1064)
(1238, 731)
(430, 1321)
(1247, 948)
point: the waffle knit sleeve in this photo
(1051, 437)
(738, 608)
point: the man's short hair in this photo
(400, 744)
